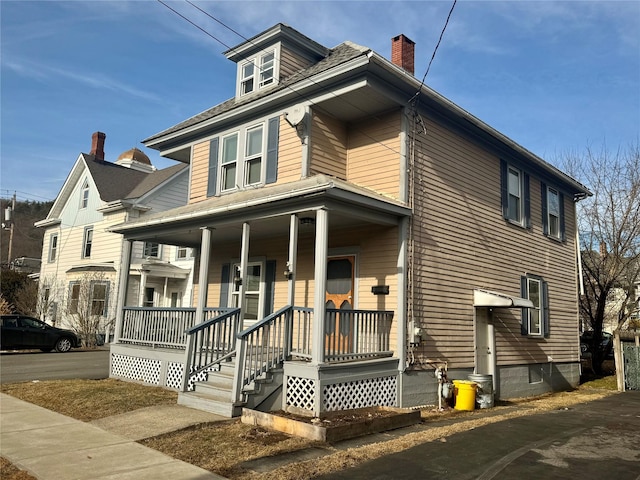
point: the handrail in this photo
(268, 319)
(260, 348)
(224, 313)
(208, 344)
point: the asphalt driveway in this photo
(590, 441)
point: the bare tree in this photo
(609, 224)
(88, 300)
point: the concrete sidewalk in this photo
(52, 446)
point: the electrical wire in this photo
(289, 87)
(433, 55)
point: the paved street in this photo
(590, 441)
(27, 366)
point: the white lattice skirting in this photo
(135, 368)
(174, 375)
(301, 392)
(368, 392)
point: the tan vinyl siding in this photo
(328, 146)
(375, 248)
(199, 172)
(289, 153)
(291, 62)
(375, 143)
(462, 242)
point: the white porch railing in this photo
(357, 334)
(161, 327)
(209, 344)
(287, 333)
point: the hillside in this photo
(27, 239)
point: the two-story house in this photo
(81, 259)
(355, 230)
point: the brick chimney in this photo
(402, 52)
(97, 145)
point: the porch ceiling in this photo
(268, 211)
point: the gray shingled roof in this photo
(341, 54)
(115, 182)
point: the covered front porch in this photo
(310, 301)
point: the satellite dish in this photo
(295, 115)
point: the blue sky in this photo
(553, 76)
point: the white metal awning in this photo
(486, 298)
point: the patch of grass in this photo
(608, 383)
(88, 400)
(223, 446)
(8, 471)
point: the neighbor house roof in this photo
(115, 182)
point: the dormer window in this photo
(257, 72)
(246, 84)
(267, 63)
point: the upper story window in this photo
(515, 195)
(248, 157)
(535, 321)
(229, 162)
(84, 194)
(553, 213)
(87, 242)
(184, 253)
(53, 247)
(151, 249)
(253, 156)
(257, 72)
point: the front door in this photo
(339, 328)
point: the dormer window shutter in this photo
(213, 168)
(272, 150)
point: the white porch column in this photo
(203, 275)
(403, 248)
(244, 260)
(165, 302)
(123, 284)
(143, 284)
(293, 258)
(320, 286)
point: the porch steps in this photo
(214, 395)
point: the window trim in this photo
(87, 241)
(188, 253)
(255, 77)
(268, 157)
(70, 309)
(92, 285)
(53, 250)
(524, 210)
(84, 194)
(546, 213)
(525, 322)
(149, 254)
(233, 292)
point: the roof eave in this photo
(280, 97)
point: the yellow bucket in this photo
(465, 394)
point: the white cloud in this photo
(101, 81)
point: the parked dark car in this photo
(585, 344)
(20, 332)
